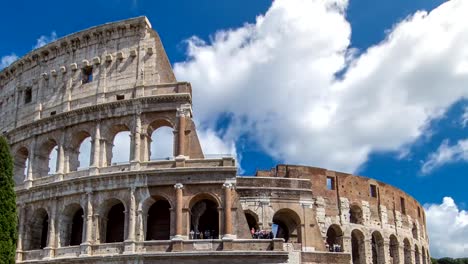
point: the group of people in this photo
(333, 248)
(261, 234)
(207, 234)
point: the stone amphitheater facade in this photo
(116, 77)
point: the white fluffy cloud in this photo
(464, 118)
(44, 40)
(6, 60)
(445, 154)
(448, 229)
(276, 79)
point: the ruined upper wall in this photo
(397, 207)
(102, 64)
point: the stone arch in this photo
(46, 154)
(424, 256)
(113, 221)
(414, 231)
(358, 248)
(204, 216)
(161, 138)
(21, 164)
(394, 249)
(417, 256)
(71, 225)
(120, 144)
(407, 251)
(75, 154)
(252, 219)
(158, 218)
(355, 214)
(288, 225)
(377, 247)
(335, 238)
(38, 230)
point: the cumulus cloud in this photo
(6, 60)
(464, 118)
(448, 229)
(44, 40)
(445, 154)
(277, 79)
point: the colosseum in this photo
(90, 86)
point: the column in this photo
(136, 139)
(96, 146)
(60, 157)
(51, 236)
(179, 204)
(228, 210)
(88, 230)
(19, 245)
(29, 176)
(130, 241)
(182, 113)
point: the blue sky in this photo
(398, 113)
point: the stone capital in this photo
(178, 186)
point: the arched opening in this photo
(407, 251)
(355, 215)
(394, 250)
(424, 257)
(46, 158)
(417, 257)
(21, 165)
(38, 230)
(251, 220)
(158, 225)
(335, 238)
(204, 220)
(77, 228)
(71, 226)
(162, 143)
(414, 231)
(287, 225)
(121, 149)
(114, 224)
(358, 250)
(80, 151)
(377, 246)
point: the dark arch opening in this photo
(115, 224)
(424, 258)
(21, 165)
(414, 231)
(287, 224)
(378, 251)
(407, 251)
(159, 222)
(204, 219)
(335, 238)
(76, 236)
(44, 232)
(251, 220)
(417, 256)
(394, 250)
(38, 230)
(355, 215)
(357, 247)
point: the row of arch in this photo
(78, 149)
(377, 248)
(356, 217)
(112, 225)
(288, 223)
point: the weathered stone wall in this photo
(381, 214)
